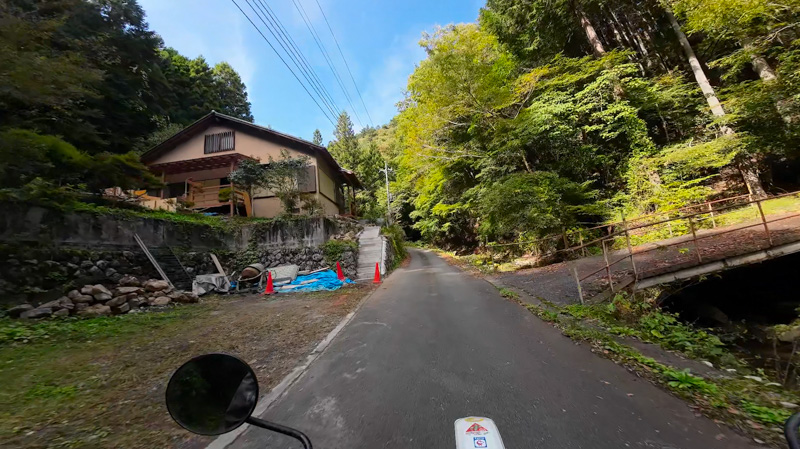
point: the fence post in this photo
(713, 222)
(630, 249)
(578, 281)
(564, 234)
(580, 239)
(608, 267)
(669, 225)
(764, 220)
(232, 199)
(694, 238)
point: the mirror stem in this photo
(296, 434)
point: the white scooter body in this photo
(475, 432)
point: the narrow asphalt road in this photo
(434, 344)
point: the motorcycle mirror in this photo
(212, 394)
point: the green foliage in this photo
(345, 148)
(333, 250)
(684, 380)
(93, 74)
(525, 92)
(738, 401)
(664, 328)
(360, 153)
(197, 88)
(533, 30)
(535, 203)
(767, 415)
(311, 205)
(397, 239)
(249, 176)
(52, 170)
(46, 157)
(508, 294)
(678, 175)
(283, 177)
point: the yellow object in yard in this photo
(248, 207)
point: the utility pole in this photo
(385, 171)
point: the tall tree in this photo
(588, 28)
(697, 70)
(533, 30)
(317, 138)
(110, 37)
(231, 92)
(747, 164)
(345, 146)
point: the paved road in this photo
(435, 344)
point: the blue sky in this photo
(379, 39)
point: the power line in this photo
(300, 56)
(345, 60)
(272, 29)
(283, 61)
(310, 26)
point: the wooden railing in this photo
(687, 221)
(205, 197)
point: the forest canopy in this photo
(547, 114)
(87, 80)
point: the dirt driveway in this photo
(100, 382)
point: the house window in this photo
(216, 143)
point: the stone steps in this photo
(370, 251)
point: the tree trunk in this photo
(767, 74)
(763, 69)
(697, 69)
(760, 65)
(252, 202)
(748, 165)
(591, 34)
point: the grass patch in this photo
(78, 330)
(775, 206)
(642, 319)
(100, 382)
(508, 294)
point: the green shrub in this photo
(333, 250)
(397, 238)
(654, 325)
(536, 203)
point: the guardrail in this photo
(619, 235)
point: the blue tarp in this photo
(324, 280)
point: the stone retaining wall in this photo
(47, 253)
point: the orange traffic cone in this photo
(339, 273)
(377, 279)
(269, 290)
